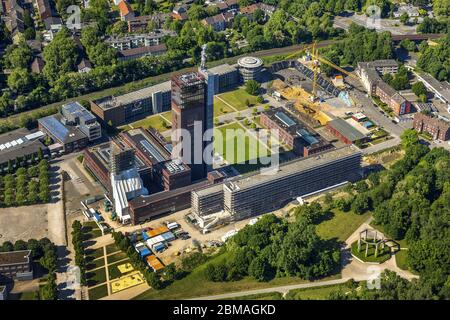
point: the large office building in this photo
(262, 193)
(369, 73)
(227, 78)
(20, 146)
(297, 136)
(190, 116)
(118, 110)
(151, 154)
(16, 265)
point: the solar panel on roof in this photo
(55, 127)
(285, 119)
(153, 152)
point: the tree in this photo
(153, 279)
(252, 87)
(361, 203)
(260, 269)
(60, 55)
(404, 18)
(409, 138)
(419, 89)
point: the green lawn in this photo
(189, 287)
(154, 121)
(94, 253)
(110, 248)
(341, 225)
(221, 108)
(401, 259)
(114, 271)
(262, 296)
(29, 295)
(93, 264)
(96, 277)
(382, 255)
(316, 293)
(116, 257)
(246, 147)
(98, 292)
(238, 97)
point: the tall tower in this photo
(189, 117)
(210, 80)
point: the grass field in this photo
(29, 295)
(98, 292)
(94, 253)
(189, 287)
(96, 277)
(246, 147)
(154, 121)
(262, 296)
(110, 248)
(317, 293)
(238, 97)
(382, 255)
(116, 257)
(401, 259)
(341, 225)
(221, 108)
(93, 264)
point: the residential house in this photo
(126, 12)
(84, 66)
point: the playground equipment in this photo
(370, 238)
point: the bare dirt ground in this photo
(23, 223)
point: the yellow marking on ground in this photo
(127, 281)
(124, 268)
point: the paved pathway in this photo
(281, 289)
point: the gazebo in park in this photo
(370, 238)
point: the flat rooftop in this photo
(14, 257)
(295, 127)
(208, 190)
(292, 167)
(113, 102)
(60, 131)
(222, 69)
(346, 129)
(148, 145)
(442, 87)
(18, 143)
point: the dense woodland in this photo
(274, 248)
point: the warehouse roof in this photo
(346, 129)
(289, 168)
(19, 143)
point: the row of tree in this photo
(26, 186)
(78, 247)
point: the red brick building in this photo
(438, 128)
